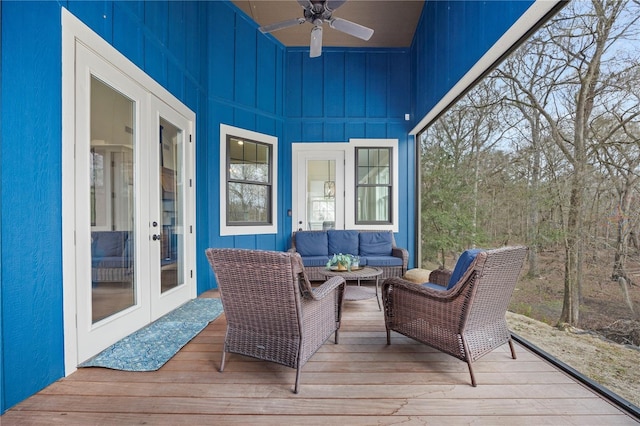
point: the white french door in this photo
(134, 197)
(318, 187)
(169, 212)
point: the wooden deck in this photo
(361, 381)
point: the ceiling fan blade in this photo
(315, 47)
(306, 4)
(281, 25)
(351, 28)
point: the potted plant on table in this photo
(341, 262)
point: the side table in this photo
(357, 292)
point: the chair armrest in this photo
(440, 276)
(327, 287)
(402, 254)
(400, 284)
(403, 299)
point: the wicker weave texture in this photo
(272, 311)
(466, 321)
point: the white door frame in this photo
(301, 153)
(75, 32)
(347, 149)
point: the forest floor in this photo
(605, 344)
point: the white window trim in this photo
(350, 182)
(226, 130)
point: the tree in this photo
(559, 77)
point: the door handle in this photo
(156, 237)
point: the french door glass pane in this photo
(321, 194)
(172, 196)
(112, 182)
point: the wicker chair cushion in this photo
(312, 243)
(464, 261)
(343, 241)
(376, 243)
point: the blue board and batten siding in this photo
(211, 57)
(31, 254)
(355, 94)
(451, 37)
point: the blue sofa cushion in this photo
(343, 241)
(464, 261)
(108, 243)
(308, 261)
(376, 244)
(382, 261)
(310, 243)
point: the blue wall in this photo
(231, 75)
(212, 58)
(169, 41)
(31, 255)
(246, 86)
(1, 315)
(451, 37)
(353, 93)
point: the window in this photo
(373, 185)
(372, 176)
(248, 182)
(248, 174)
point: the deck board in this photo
(360, 381)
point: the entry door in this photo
(169, 188)
(131, 205)
(319, 190)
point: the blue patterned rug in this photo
(151, 347)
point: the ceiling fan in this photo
(317, 12)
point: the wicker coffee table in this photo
(357, 292)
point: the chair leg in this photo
(513, 349)
(388, 336)
(473, 377)
(298, 371)
(336, 336)
(224, 353)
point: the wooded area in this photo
(545, 151)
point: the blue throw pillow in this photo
(342, 241)
(312, 243)
(376, 243)
(464, 261)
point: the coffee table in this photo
(358, 292)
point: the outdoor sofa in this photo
(375, 249)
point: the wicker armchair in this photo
(468, 320)
(272, 311)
